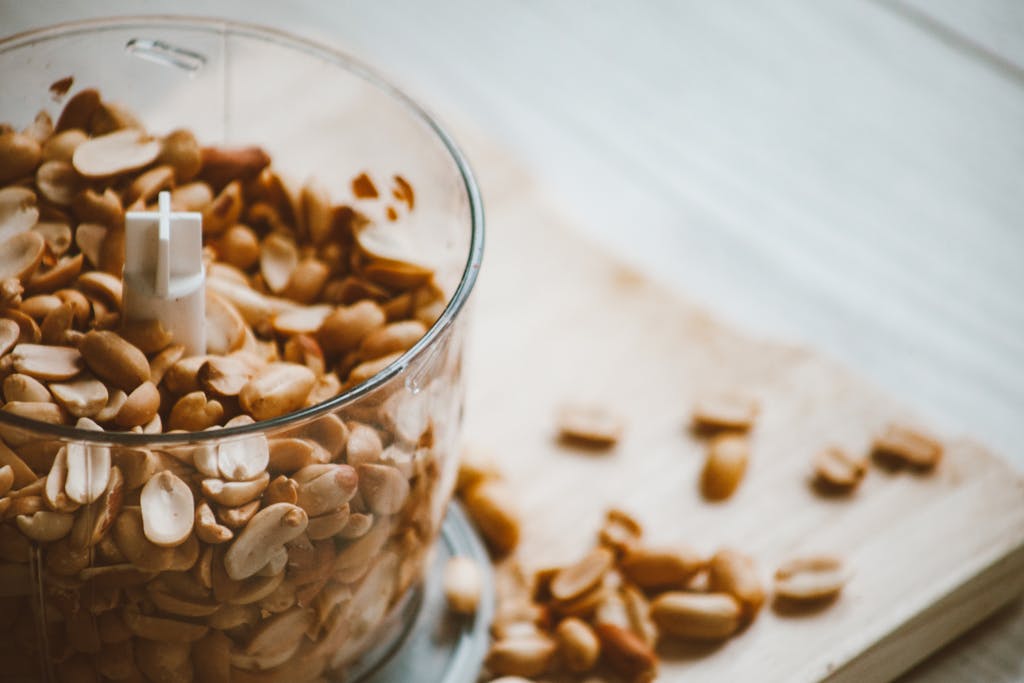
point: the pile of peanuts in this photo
(270, 557)
(612, 607)
(617, 602)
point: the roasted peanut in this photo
(577, 579)
(620, 531)
(384, 488)
(329, 524)
(19, 155)
(277, 389)
(234, 493)
(703, 616)
(114, 153)
(578, 644)
(626, 653)
(899, 444)
(725, 411)
(140, 406)
(207, 528)
(345, 328)
(364, 445)
(88, 471)
(113, 359)
(815, 577)
(48, 363)
(194, 412)
(168, 510)
(491, 509)
(660, 566)
(18, 387)
(725, 466)
(463, 585)
(240, 246)
(521, 656)
(243, 459)
(589, 425)
(732, 572)
(268, 530)
(323, 488)
(836, 469)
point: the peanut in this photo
(725, 466)
(18, 387)
(239, 246)
(46, 362)
(589, 425)
(88, 471)
(268, 530)
(899, 444)
(816, 577)
(19, 155)
(621, 532)
(725, 411)
(234, 493)
(277, 389)
(626, 653)
(345, 328)
(703, 616)
(194, 412)
(732, 572)
(577, 579)
(113, 359)
(578, 644)
(140, 406)
(491, 509)
(463, 585)
(384, 488)
(660, 567)
(323, 488)
(521, 656)
(834, 468)
(168, 510)
(115, 153)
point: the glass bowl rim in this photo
(355, 67)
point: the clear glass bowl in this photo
(89, 606)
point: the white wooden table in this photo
(846, 174)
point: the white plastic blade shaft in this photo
(164, 276)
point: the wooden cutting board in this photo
(556, 319)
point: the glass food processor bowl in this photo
(101, 602)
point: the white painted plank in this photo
(992, 29)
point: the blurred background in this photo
(845, 175)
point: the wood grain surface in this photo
(559, 320)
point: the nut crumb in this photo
(363, 187)
(61, 86)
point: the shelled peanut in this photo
(267, 557)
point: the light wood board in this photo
(557, 319)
